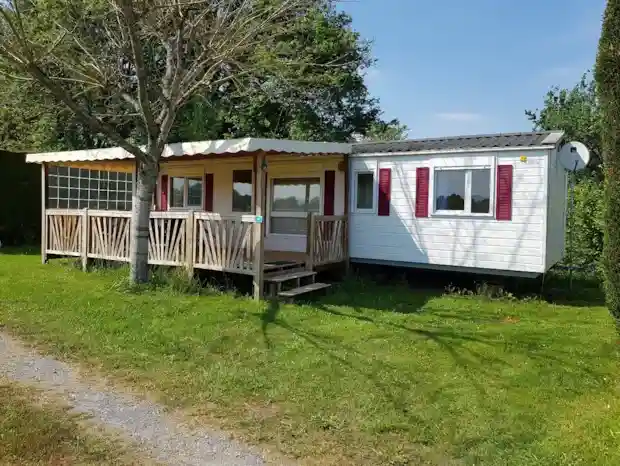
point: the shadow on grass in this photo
(407, 289)
(481, 356)
(269, 316)
(477, 367)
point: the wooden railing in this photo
(109, 234)
(168, 238)
(225, 243)
(191, 239)
(64, 232)
(326, 240)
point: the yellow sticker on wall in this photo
(524, 158)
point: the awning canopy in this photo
(200, 148)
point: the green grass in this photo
(33, 432)
(368, 375)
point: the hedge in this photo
(20, 200)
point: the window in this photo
(291, 200)
(79, 188)
(185, 192)
(480, 191)
(242, 191)
(463, 190)
(177, 192)
(364, 190)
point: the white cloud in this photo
(459, 116)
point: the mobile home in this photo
(493, 203)
(279, 210)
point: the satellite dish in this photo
(574, 156)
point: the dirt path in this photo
(143, 423)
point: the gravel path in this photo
(144, 423)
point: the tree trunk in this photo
(140, 219)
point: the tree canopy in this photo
(325, 98)
(576, 112)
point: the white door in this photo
(289, 200)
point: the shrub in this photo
(585, 223)
(608, 85)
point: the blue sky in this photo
(449, 67)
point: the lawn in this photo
(367, 375)
(34, 432)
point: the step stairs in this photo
(295, 292)
(292, 283)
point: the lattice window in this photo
(78, 188)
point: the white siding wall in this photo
(556, 214)
(278, 167)
(481, 243)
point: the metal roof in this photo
(455, 143)
(215, 147)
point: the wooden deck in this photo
(194, 240)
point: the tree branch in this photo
(94, 123)
(140, 68)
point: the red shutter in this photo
(503, 203)
(208, 187)
(421, 193)
(385, 189)
(330, 189)
(163, 196)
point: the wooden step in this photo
(281, 266)
(287, 275)
(302, 290)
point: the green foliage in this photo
(173, 280)
(20, 200)
(608, 86)
(585, 225)
(577, 112)
(387, 131)
(30, 118)
(315, 101)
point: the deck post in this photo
(258, 233)
(345, 229)
(189, 245)
(311, 233)
(85, 233)
(44, 213)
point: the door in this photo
(289, 201)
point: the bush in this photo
(585, 222)
(608, 86)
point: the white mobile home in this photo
(279, 210)
(493, 204)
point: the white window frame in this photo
(468, 176)
(272, 213)
(186, 193)
(375, 191)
